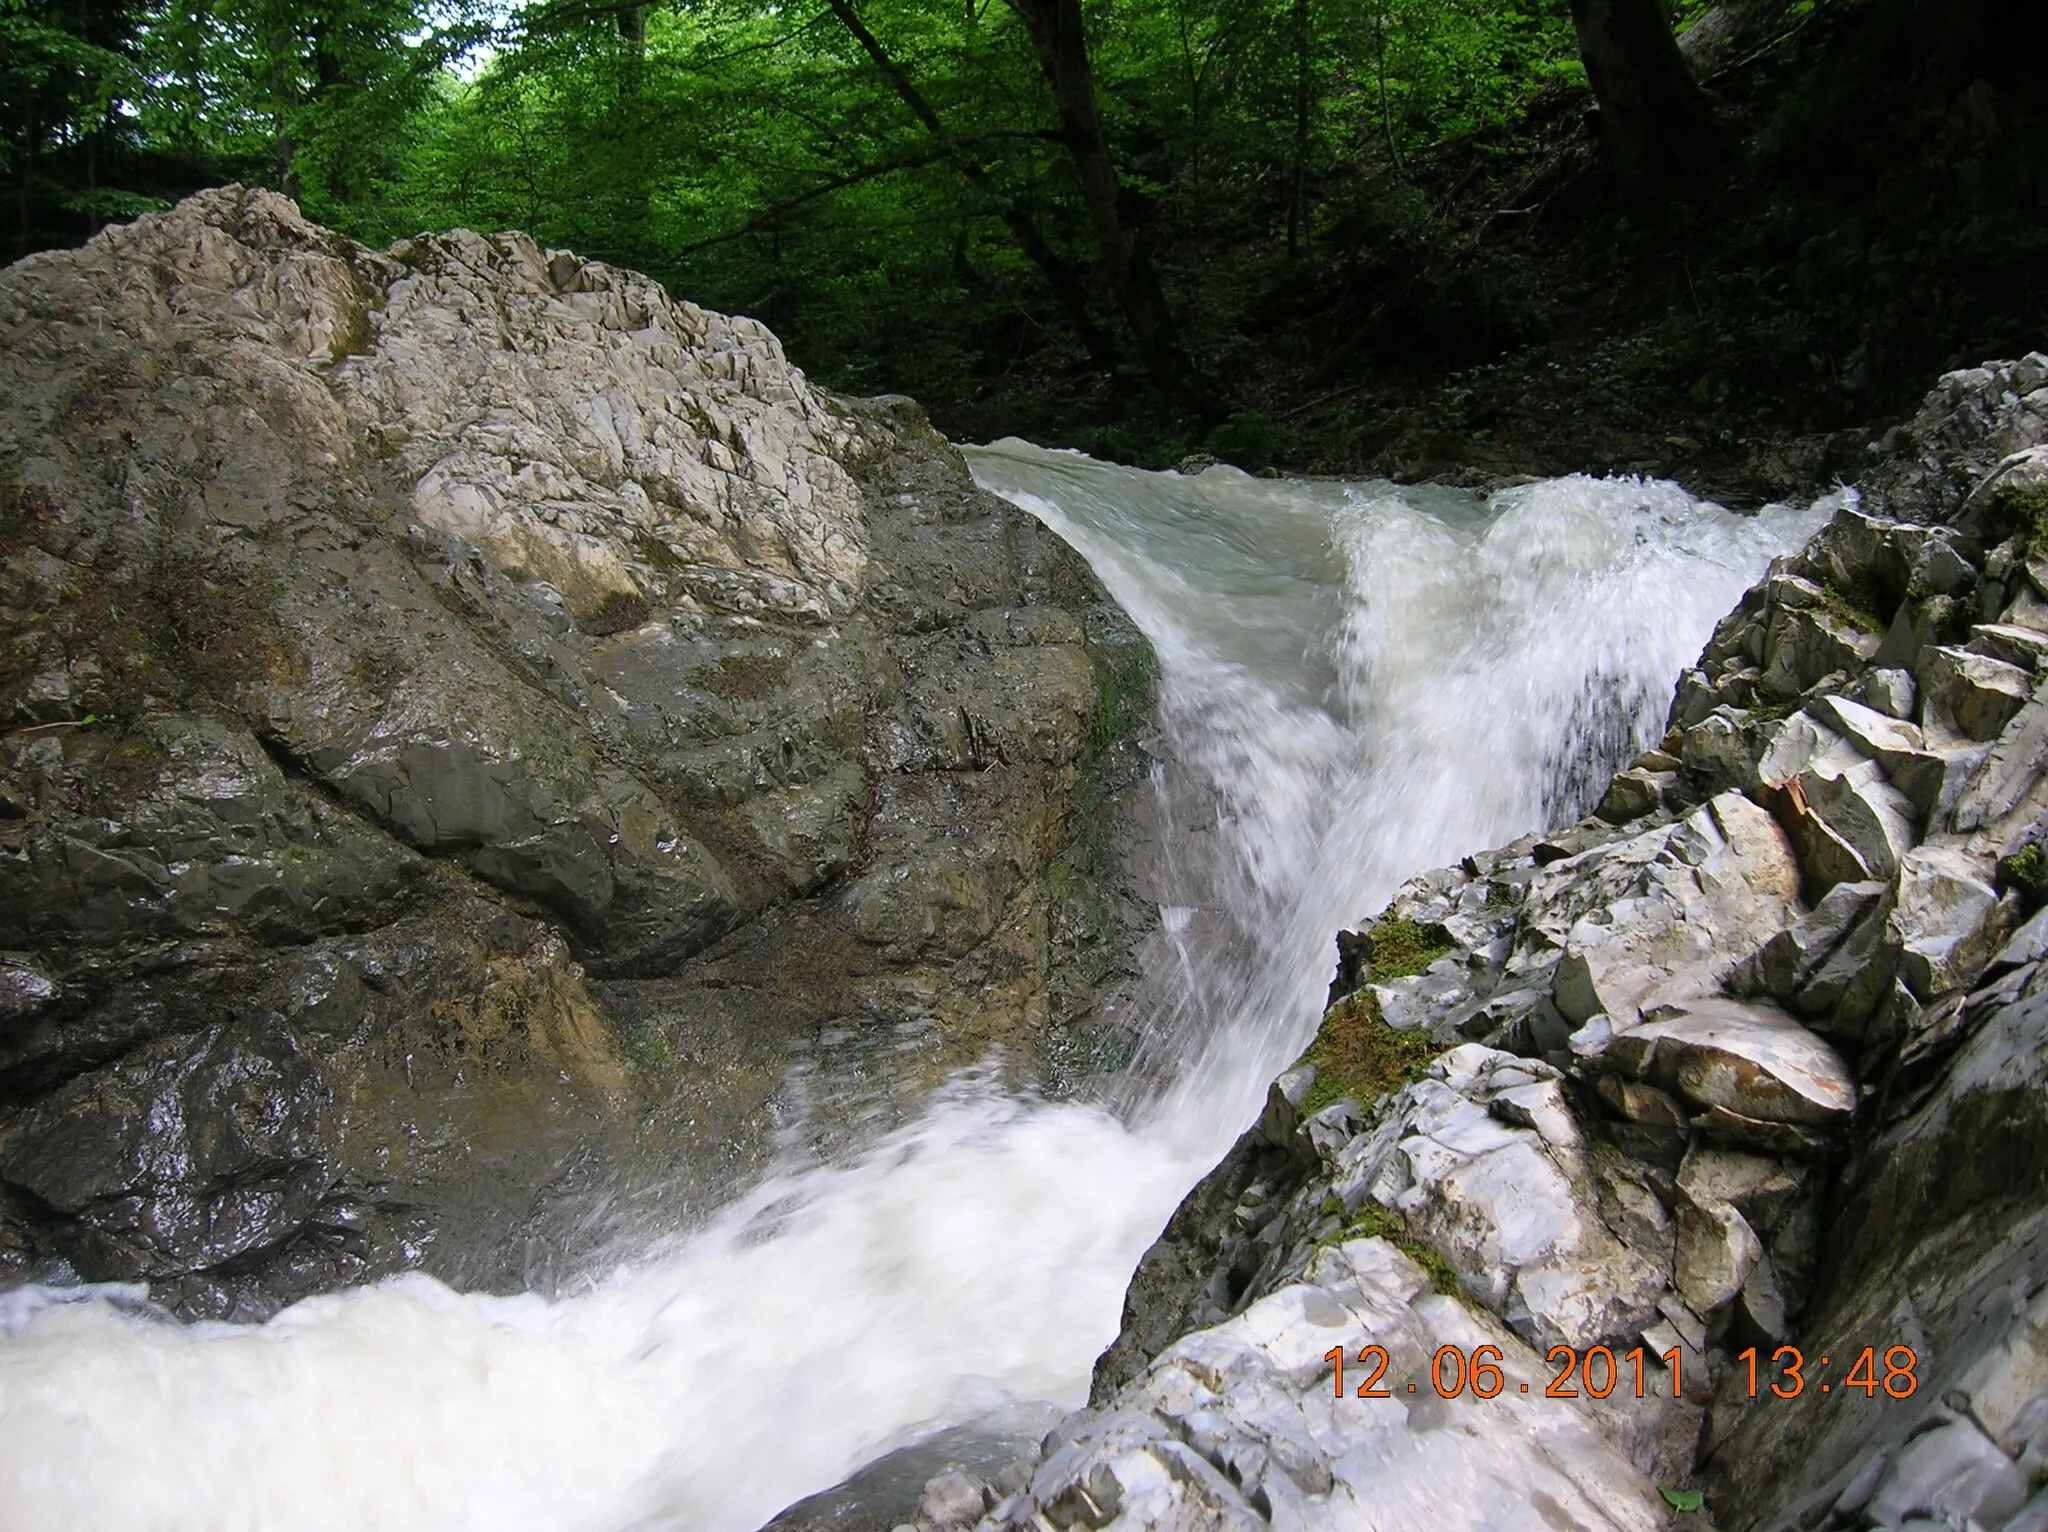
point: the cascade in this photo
(1355, 682)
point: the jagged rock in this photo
(1892, 692)
(2024, 647)
(2008, 787)
(1759, 1315)
(1634, 793)
(1951, 1471)
(1805, 744)
(1884, 739)
(1848, 828)
(1505, 1204)
(1716, 1251)
(462, 600)
(1944, 920)
(1712, 891)
(1791, 957)
(1241, 1415)
(1805, 640)
(1977, 693)
(1745, 1058)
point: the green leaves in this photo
(1682, 1500)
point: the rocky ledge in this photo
(470, 726)
(1755, 1057)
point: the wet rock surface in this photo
(469, 723)
(1756, 1056)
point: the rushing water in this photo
(1356, 682)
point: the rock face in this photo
(465, 711)
(1756, 1057)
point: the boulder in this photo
(1975, 692)
(1891, 692)
(1743, 1057)
(1719, 886)
(1791, 957)
(1945, 920)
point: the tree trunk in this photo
(1058, 275)
(1055, 27)
(1653, 115)
(1304, 101)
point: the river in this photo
(1356, 682)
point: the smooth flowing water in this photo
(1356, 682)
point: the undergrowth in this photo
(1358, 1056)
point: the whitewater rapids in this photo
(1356, 682)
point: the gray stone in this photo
(2006, 789)
(2032, 1517)
(1952, 1470)
(1873, 820)
(1791, 957)
(1747, 1058)
(1634, 793)
(2016, 645)
(1891, 691)
(1881, 737)
(1804, 743)
(950, 1501)
(1716, 1252)
(1978, 694)
(1944, 920)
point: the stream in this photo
(1356, 682)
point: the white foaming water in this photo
(1356, 683)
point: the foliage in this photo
(1372, 1221)
(1332, 191)
(1359, 1057)
(1401, 949)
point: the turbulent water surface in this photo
(1357, 682)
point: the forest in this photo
(1409, 237)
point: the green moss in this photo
(1400, 949)
(659, 555)
(615, 613)
(1123, 692)
(1372, 1221)
(743, 677)
(1358, 1056)
(1846, 609)
(2023, 512)
(2027, 871)
(1773, 709)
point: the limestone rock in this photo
(1721, 884)
(1747, 1058)
(1716, 1252)
(1951, 1471)
(1944, 920)
(1978, 693)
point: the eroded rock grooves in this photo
(469, 719)
(1755, 1056)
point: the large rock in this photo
(480, 604)
(1711, 891)
(1745, 1058)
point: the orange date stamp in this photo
(1598, 1371)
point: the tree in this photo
(1062, 46)
(1654, 118)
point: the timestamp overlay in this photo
(1599, 1372)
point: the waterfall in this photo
(1356, 682)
